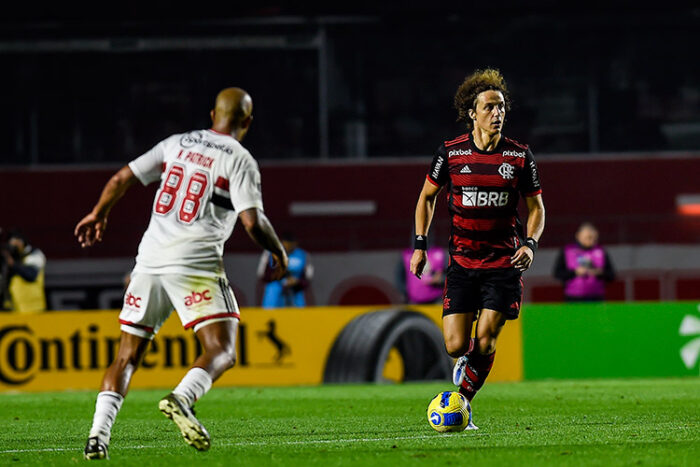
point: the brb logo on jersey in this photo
(473, 198)
(132, 300)
(195, 298)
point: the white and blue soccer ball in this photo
(450, 411)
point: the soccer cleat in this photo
(95, 449)
(192, 431)
(459, 370)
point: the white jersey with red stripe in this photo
(206, 179)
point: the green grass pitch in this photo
(605, 422)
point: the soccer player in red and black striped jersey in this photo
(484, 174)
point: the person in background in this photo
(584, 267)
(24, 266)
(290, 291)
(429, 287)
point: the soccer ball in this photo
(450, 411)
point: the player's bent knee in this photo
(225, 358)
(131, 351)
(231, 358)
(487, 345)
(456, 346)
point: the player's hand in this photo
(90, 230)
(522, 259)
(418, 261)
(279, 268)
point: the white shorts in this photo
(150, 298)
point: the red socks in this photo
(477, 370)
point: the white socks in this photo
(106, 409)
(194, 385)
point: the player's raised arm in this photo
(261, 231)
(92, 227)
(424, 216)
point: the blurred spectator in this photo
(584, 267)
(429, 288)
(291, 289)
(23, 274)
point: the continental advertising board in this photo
(70, 350)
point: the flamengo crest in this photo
(506, 170)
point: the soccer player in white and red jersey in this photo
(208, 180)
(485, 174)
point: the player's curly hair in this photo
(474, 84)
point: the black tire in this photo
(360, 351)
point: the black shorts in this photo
(470, 290)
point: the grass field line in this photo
(309, 442)
(269, 443)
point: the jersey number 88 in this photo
(167, 196)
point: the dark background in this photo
(349, 80)
(350, 101)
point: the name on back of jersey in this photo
(196, 158)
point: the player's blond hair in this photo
(473, 85)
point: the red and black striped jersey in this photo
(483, 191)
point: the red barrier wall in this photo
(632, 200)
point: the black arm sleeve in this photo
(529, 180)
(439, 173)
(561, 272)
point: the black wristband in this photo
(420, 243)
(532, 244)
